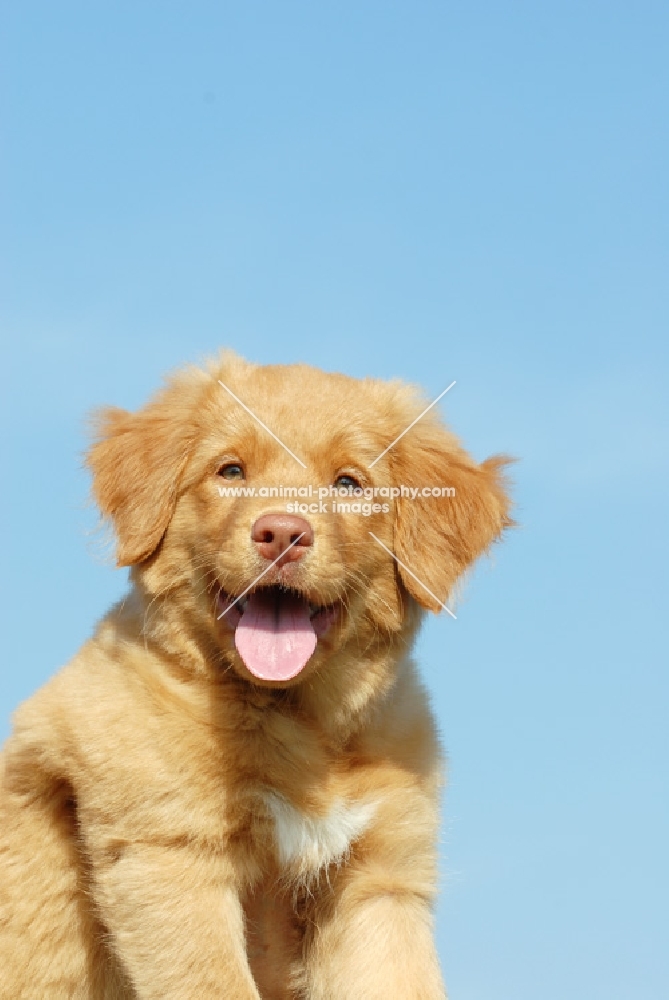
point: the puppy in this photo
(232, 790)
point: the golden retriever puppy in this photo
(232, 790)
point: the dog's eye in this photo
(231, 471)
(347, 481)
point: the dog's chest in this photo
(307, 842)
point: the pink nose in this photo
(284, 535)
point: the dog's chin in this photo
(278, 632)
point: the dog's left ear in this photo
(136, 462)
(437, 538)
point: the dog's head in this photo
(287, 516)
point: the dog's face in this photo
(276, 578)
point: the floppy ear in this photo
(438, 538)
(136, 464)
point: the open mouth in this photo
(276, 629)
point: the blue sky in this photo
(432, 191)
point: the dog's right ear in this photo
(137, 461)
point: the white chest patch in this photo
(309, 843)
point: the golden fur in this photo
(173, 828)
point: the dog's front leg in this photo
(376, 947)
(372, 936)
(176, 923)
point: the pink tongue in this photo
(275, 637)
